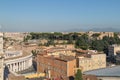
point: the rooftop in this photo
(55, 49)
(23, 55)
(61, 58)
(106, 72)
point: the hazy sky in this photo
(58, 15)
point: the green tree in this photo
(82, 42)
(70, 41)
(78, 75)
(26, 38)
(98, 45)
(35, 52)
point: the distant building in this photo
(15, 35)
(108, 34)
(101, 34)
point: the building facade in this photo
(56, 66)
(91, 62)
(19, 62)
(15, 35)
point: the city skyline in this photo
(58, 15)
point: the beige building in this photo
(15, 35)
(91, 61)
(101, 34)
(108, 34)
(113, 49)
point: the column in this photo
(8, 65)
(26, 62)
(17, 67)
(30, 61)
(22, 65)
(13, 68)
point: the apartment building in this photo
(91, 61)
(62, 66)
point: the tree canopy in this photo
(78, 75)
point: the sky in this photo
(58, 15)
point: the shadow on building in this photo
(34, 65)
(6, 72)
(71, 78)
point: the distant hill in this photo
(94, 29)
(106, 29)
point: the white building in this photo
(15, 61)
(19, 62)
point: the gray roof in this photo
(107, 72)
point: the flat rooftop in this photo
(60, 58)
(105, 72)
